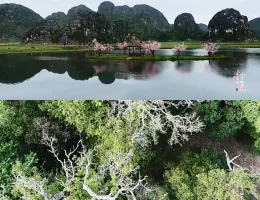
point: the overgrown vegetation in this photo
(112, 150)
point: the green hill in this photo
(15, 21)
(255, 26)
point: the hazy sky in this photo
(202, 10)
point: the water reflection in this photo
(109, 72)
(184, 67)
(15, 69)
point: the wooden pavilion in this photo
(135, 47)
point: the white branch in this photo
(145, 118)
(125, 183)
(231, 162)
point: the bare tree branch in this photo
(145, 118)
(231, 162)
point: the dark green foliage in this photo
(223, 118)
(231, 118)
(255, 26)
(203, 176)
(15, 21)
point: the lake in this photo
(71, 76)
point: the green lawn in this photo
(198, 44)
(39, 48)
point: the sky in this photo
(202, 10)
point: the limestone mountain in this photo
(185, 27)
(77, 10)
(146, 20)
(15, 21)
(255, 26)
(81, 24)
(230, 25)
(59, 18)
(203, 27)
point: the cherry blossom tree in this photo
(99, 47)
(179, 48)
(109, 47)
(211, 48)
(151, 46)
(123, 46)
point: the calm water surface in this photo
(71, 76)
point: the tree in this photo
(123, 46)
(152, 46)
(222, 118)
(211, 48)
(203, 176)
(124, 178)
(231, 118)
(99, 47)
(179, 48)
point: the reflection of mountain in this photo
(12, 70)
(184, 66)
(108, 73)
(19, 68)
(228, 68)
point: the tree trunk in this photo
(124, 51)
(153, 53)
(99, 53)
(178, 54)
(209, 54)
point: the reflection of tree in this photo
(226, 68)
(151, 68)
(22, 67)
(13, 72)
(184, 66)
(137, 69)
(105, 73)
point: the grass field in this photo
(157, 57)
(41, 48)
(198, 44)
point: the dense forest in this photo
(108, 150)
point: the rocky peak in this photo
(106, 8)
(255, 26)
(59, 18)
(186, 27)
(229, 25)
(77, 10)
(203, 27)
(185, 19)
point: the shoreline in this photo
(157, 58)
(6, 49)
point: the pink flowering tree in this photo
(152, 46)
(123, 46)
(99, 47)
(179, 48)
(211, 48)
(109, 47)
